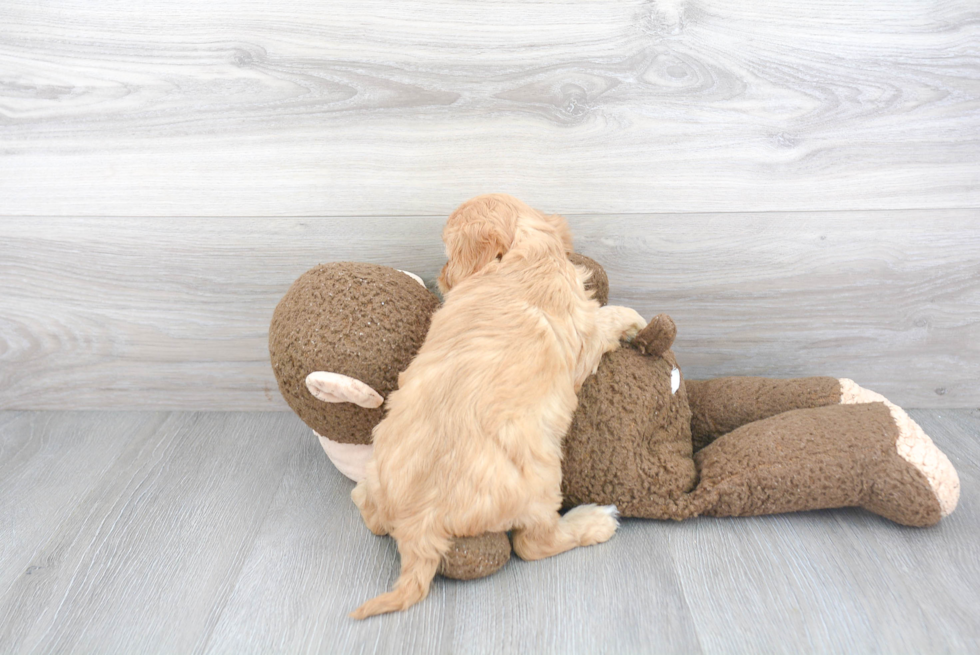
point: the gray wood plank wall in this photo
(797, 184)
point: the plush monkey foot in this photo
(913, 446)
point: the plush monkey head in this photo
(338, 340)
(342, 334)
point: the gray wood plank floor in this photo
(231, 532)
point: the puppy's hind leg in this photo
(552, 534)
(369, 510)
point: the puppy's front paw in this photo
(633, 323)
(615, 323)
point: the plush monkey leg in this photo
(721, 405)
(843, 455)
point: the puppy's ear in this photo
(470, 246)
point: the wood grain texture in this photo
(141, 541)
(153, 314)
(245, 107)
(232, 533)
(890, 299)
(38, 452)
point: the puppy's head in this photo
(485, 228)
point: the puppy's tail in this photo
(420, 559)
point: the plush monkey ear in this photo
(337, 388)
(657, 337)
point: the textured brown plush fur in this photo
(470, 558)
(362, 320)
(723, 404)
(833, 456)
(657, 337)
(598, 283)
(630, 440)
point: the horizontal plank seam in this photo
(568, 214)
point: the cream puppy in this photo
(471, 441)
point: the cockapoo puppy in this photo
(471, 441)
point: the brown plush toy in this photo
(642, 438)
